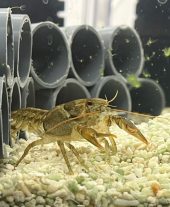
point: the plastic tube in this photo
(15, 96)
(123, 51)
(37, 10)
(6, 46)
(70, 90)
(4, 117)
(50, 55)
(149, 98)
(22, 46)
(28, 94)
(87, 54)
(107, 87)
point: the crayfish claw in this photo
(129, 127)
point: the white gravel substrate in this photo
(138, 175)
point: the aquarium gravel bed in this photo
(138, 175)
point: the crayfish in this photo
(78, 120)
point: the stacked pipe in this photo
(43, 65)
(15, 62)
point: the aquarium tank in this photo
(84, 103)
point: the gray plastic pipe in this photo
(87, 54)
(123, 51)
(4, 116)
(22, 47)
(15, 96)
(149, 98)
(70, 90)
(107, 87)
(50, 55)
(28, 94)
(6, 46)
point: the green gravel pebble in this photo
(49, 201)
(73, 186)
(30, 203)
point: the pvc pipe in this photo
(123, 51)
(37, 10)
(15, 96)
(87, 54)
(6, 46)
(107, 87)
(28, 94)
(2, 150)
(22, 46)
(70, 90)
(4, 117)
(50, 55)
(149, 98)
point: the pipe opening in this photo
(109, 89)
(87, 54)
(71, 91)
(10, 45)
(126, 53)
(149, 98)
(30, 100)
(1, 139)
(5, 114)
(16, 97)
(25, 48)
(50, 53)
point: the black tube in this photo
(28, 94)
(108, 86)
(50, 55)
(22, 46)
(149, 98)
(4, 117)
(123, 51)
(70, 90)
(6, 46)
(15, 96)
(87, 54)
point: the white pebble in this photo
(80, 196)
(123, 202)
(3, 204)
(19, 196)
(152, 199)
(138, 172)
(131, 176)
(24, 189)
(86, 202)
(113, 192)
(153, 162)
(30, 203)
(40, 200)
(9, 166)
(165, 158)
(60, 193)
(10, 199)
(127, 196)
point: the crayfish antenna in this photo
(109, 101)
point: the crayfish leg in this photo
(75, 152)
(31, 145)
(63, 151)
(111, 137)
(129, 127)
